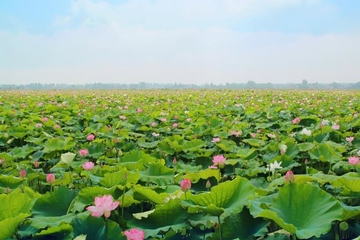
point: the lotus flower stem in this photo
(122, 203)
(220, 230)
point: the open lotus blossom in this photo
(295, 120)
(38, 125)
(50, 178)
(134, 234)
(175, 125)
(139, 110)
(83, 152)
(353, 160)
(90, 137)
(236, 133)
(282, 148)
(253, 135)
(289, 177)
(335, 126)
(349, 139)
(103, 206)
(306, 132)
(273, 167)
(44, 119)
(185, 185)
(219, 160)
(88, 165)
(216, 139)
(155, 134)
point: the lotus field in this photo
(190, 164)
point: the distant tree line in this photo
(143, 85)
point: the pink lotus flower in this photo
(57, 126)
(36, 164)
(155, 134)
(185, 185)
(295, 120)
(163, 119)
(38, 125)
(22, 173)
(139, 110)
(44, 119)
(90, 137)
(289, 177)
(219, 160)
(175, 125)
(103, 206)
(216, 140)
(122, 117)
(208, 184)
(335, 126)
(153, 124)
(88, 165)
(50, 178)
(253, 135)
(349, 139)
(83, 152)
(236, 133)
(134, 234)
(354, 160)
(213, 167)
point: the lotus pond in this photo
(162, 164)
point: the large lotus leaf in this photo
(58, 144)
(143, 193)
(137, 155)
(13, 204)
(95, 228)
(165, 217)
(144, 144)
(349, 211)
(87, 195)
(254, 142)
(40, 222)
(246, 226)
(21, 152)
(231, 196)
(182, 167)
(61, 198)
(203, 174)
(245, 152)
(304, 147)
(158, 173)
(10, 181)
(165, 147)
(228, 146)
(176, 142)
(303, 209)
(193, 145)
(9, 226)
(350, 182)
(62, 232)
(123, 178)
(67, 158)
(325, 153)
(96, 150)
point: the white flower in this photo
(155, 134)
(325, 122)
(273, 167)
(306, 132)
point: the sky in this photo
(183, 41)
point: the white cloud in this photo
(104, 49)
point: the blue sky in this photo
(188, 41)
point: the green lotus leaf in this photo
(10, 181)
(246, 226)
(123, 178)
(195, 176)
(58, 144)
(325, 153)
(96, 150)
(232, 196)
(158, 173)
(193, 145)
(350, 182)
(21, 152)
(9, 226)
(246, 152)
(165, 147)
(254, 142)
(13, 204)
(136, 155)
(61, 198)
(36, 156)
(143, 193)
(303, 209)
(144, 144)
(165, 217)
(303, 147)
(349, 211)
(67, 158)
(40, 222)
(228, 146)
